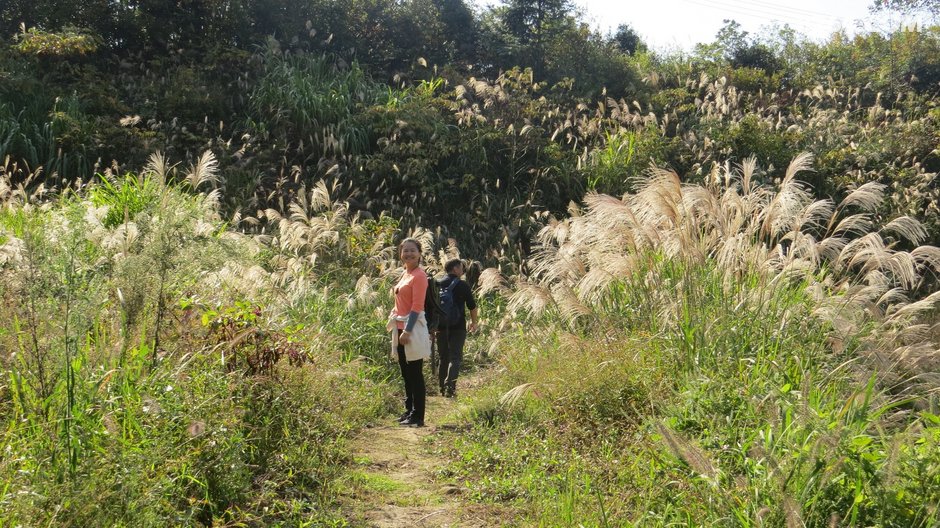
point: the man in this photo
(452, 336)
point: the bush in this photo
(121, 407)
(701, 362)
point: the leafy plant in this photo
(726, 340)
(69, 42)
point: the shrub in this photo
(740, 371)
(120, 409)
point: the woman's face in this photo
(409, 254)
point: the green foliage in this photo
(125, 197)
(913, 64)
(697, 378)
(930, 6)
(70, 42)
(55, 145)
(547, 38)
(308, 102)
(627, 40)
(688, 390)
(302, 110)
(112, 415)
(625, 157)
(731, 415)
(247, 343)
(751, 136)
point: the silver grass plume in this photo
(854, 270)
(160, 167)
(204, 170)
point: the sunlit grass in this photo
(693, 355)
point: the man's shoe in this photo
(412, 422)
(404, 417)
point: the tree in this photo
(461, 27)
(728, 39)
(931, 7)
(756, 55)
(534, 23)
(548, 37)
(628, 40)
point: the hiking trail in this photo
(395, 476)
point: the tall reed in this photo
(756, 352)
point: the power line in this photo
(760, 14)
(756, 11)
(794, 10)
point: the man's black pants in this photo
(450, 342)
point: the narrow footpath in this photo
(395, 480)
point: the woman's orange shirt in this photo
(410, 292)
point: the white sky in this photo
(671, 24)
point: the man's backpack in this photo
(452, 312)
(433, 311)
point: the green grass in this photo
(371, 483)
(685, 366)
(724, 418)
(117, 407)
(160, 369)
(311, 101)
(125, 198)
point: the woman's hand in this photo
(405, 337)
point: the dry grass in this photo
(865, 283)
(318, 236)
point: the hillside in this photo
(709, 281)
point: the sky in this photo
(680, 24)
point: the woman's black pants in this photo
(413, 373)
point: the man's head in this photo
(454, 267)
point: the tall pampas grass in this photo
(865, 284)
(319, 238)
(204, 170)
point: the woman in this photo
(410, 339)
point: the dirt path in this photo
(395, 480)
